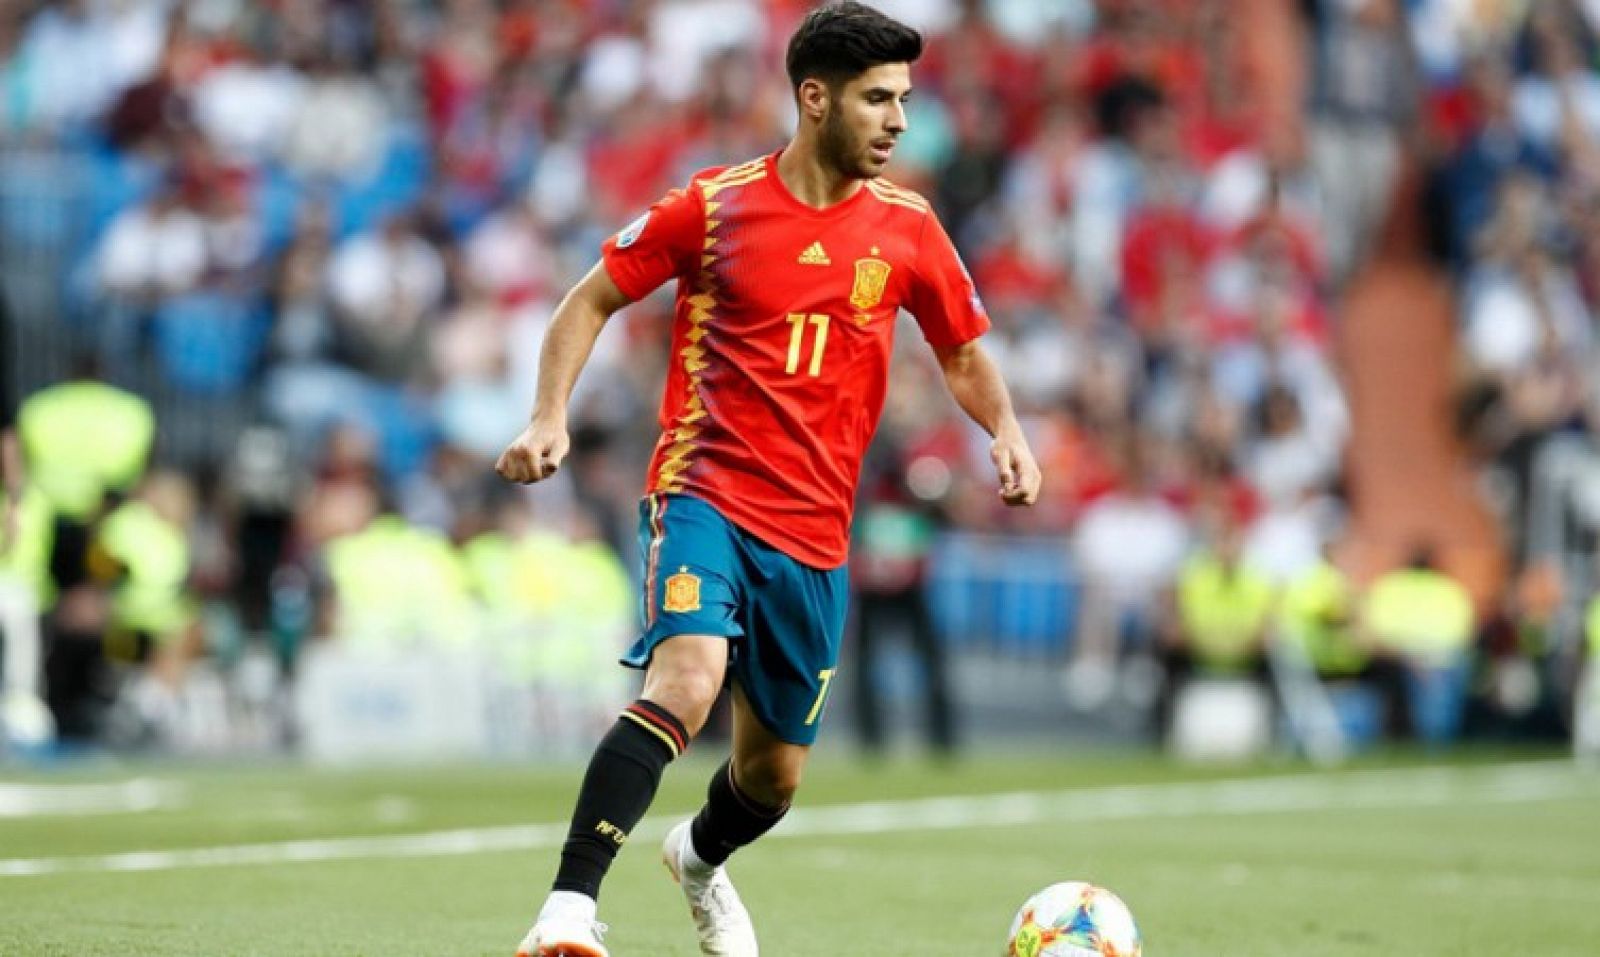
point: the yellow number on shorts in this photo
(826, 677)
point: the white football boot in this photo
(566, 928)
(719, 916)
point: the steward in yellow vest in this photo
(83, 439)
(394, 584)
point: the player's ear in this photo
(813, 97)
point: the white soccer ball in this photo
(1073, 919)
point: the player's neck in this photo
(809, 180)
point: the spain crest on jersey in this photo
(872, 278)
(682, 592)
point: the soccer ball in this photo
(1073, 919)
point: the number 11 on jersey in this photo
(797, 334)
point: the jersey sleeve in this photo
(660, 245)
(942, 296)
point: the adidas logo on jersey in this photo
(815, 255)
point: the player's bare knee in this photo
(685, 692)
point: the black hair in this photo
(841, 41)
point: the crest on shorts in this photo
(683, 592)
(872, 278)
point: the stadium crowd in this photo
(1511, 97)
(354, 218)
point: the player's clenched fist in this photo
(1019, 473)
(535, 455)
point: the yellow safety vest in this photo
(26, 557)
(1420, 612)
(1223, 611)
(488, 561)
(81, 439)
(397, 583)
(599, 605)
(152, 596)
(1315, 616)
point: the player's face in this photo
(865, 119)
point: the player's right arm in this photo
(538, 451)
(663, 243)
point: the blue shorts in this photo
(784, 620)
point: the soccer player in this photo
(790, 270)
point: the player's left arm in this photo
(947, 307)
(975, 382)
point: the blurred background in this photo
(1296, 300)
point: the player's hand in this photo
(1019, 473)
(536, 454)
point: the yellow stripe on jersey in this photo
(889, 191)
(678, 443)
(712, 187)
(894, 187)
(733, 172)
(896, 196)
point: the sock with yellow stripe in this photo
(617, 789)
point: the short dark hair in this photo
(839, 42)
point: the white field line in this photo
(1434, 787)
(72, 800)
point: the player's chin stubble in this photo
(839, 150)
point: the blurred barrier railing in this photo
(1008, 596)
(54, 202)
(44, 225)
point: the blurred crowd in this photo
(355, 217)
(1510, 96)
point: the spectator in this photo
(1128, 548)
(1289, 459)
(390, 584)
(142, 552)
(1223, 609)
(1365, 97)
(1422, 620)
(77, 56)
(384, 286)
(336, 128)
(155, 250)
(1317, 617)
(896, 523)
(83, 440)
(246, 107)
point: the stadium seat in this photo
(207, 342)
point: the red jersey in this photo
(781, 339)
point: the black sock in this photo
(730, 819)
(617, 790)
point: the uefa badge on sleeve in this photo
(630, 234)
(682, 593)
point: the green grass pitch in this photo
(1490, 855)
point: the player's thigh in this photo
(766, 767)
(794, 627)
(685, 674)
(690, 599)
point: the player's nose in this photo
(898, 122)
